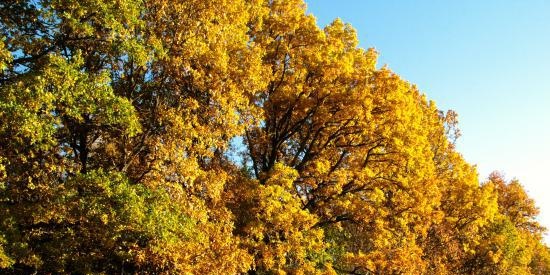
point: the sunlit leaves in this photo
(120, 130)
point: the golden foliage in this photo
(232, 137)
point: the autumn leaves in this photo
(117, 119)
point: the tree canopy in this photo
(233, 137)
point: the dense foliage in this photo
(232, 137)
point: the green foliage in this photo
(98, 223)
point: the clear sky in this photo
(488, 60)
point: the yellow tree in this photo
(113, 114)
(512, 242)
(356, 137)
(116, 125)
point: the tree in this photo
(112, 96)
(512, 241)
(232, 137)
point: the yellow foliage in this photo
(233, 137)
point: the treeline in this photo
(232, 137)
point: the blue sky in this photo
(488, 60)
